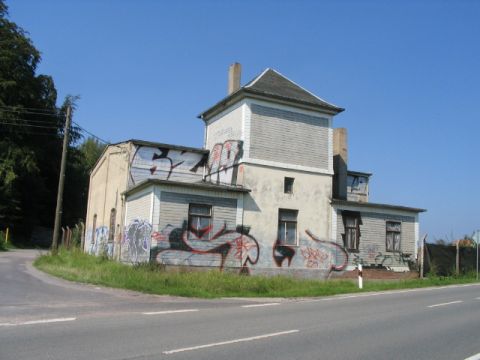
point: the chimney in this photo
(340, 160)
(234, 73)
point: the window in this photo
(288, 185)
(394, 231)
(287, 227)
(351, 223)
(200, 220)
(351, 233)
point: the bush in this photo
(3, 244)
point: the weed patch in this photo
(78, 266)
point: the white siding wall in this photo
(372, 245)
(289, 137)
(225, 126)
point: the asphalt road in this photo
(46, 318)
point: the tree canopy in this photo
(31, 132)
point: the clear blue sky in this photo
(407, 72)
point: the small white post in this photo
(360, 277)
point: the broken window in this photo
(287, 227)
(394, 231)
(351, 222)
(288, 185)
(200, 220)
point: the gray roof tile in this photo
(271, 84)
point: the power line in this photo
(44, 112)
(29, 125)
(91, 134)
(33, 121)
(38, 111)
(31, 133)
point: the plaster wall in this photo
(311, 197)
(108, 180)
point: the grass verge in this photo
(77, 266)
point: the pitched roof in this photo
(162, 145)
(274, 86)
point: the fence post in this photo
(457, 259)
(82, 235)
(422, 256)
(360, 276)
(6, 236)
(69, 237)
(63, 236)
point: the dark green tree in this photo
(31, 132)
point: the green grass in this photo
(77, 266)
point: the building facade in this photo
(269, 193)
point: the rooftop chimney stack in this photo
(234, 73)
(340, 161)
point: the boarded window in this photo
(111, 233)
(394, 231)
(200, 220)
(94, 228)
(287, 227)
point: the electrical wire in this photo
(22, 109)
(32, 133)
(28, 125)
(28, 121)
(44, 112)
(91, 134)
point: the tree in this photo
(31, 132)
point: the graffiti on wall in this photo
(392, 259)
(281, 253)
(314, 254)
(165, 164)
(223, 157)
(136, 241)
(210, 247)
(99, 244)
(381, 260)
(171, 164)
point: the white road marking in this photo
(474, 357)
(260, 305)
(448, 303)
(387, 292)
(35, 322)
(259, 337)
(169, 312)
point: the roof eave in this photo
(247, 92)
(205, 186)
(376, 205)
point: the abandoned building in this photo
(270, 192)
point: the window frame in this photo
(195, 234)
(348, 230)
(348, 233)
(284, 241)
(288, 185)
(394, 232)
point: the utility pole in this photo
(61, 182)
